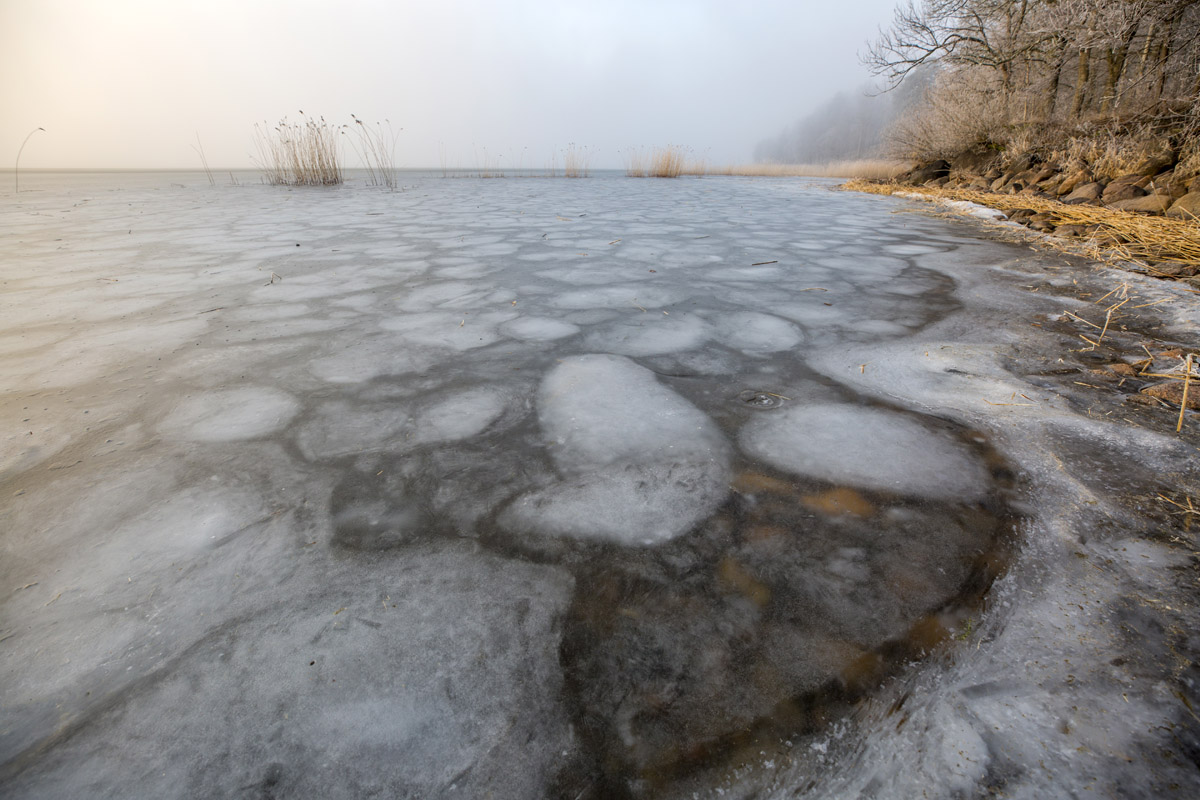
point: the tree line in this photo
(1012, 64)
(958, 74)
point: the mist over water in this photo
(142, 85)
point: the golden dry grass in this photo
(666, 162)
(577, 162)
(662, 162)
(1118, 235)
(872, 169)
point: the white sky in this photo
(129, 83)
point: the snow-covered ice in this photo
(547, 488)
(865, 447)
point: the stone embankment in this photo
(1151, 187)
(1148, 215)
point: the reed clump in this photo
(663, 162)
(303, 153)
(577, 161)
(666, 162)
(1115, 234)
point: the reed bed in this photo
(1116, 235)
(873, 169)
(663, 162)
(301, 153)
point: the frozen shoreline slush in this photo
(600, 488)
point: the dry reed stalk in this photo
(17, 166)
(1187, 378)
(635, 164)
(376, 146)
(666, 162)
(576, 162)
(299, 153)
(199, 148)
(1120, 235)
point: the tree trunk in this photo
(1146, 51)
(1083, 75)
(1164, 54)
(1055, 79)
(1116, 68)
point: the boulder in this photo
(1193, 185)
(1116, 192)
(1074, 181)
(1140, 181)
(1085, 193)
(1022, 162)
(1152, 165)
(1021, 213)
(1045, 173)
(1051, 186)
(1186, 207)
(1177, 188)
(1075, 230)
(999, 183)
(975, 162)
(1027, 176)
(1150, 204)
(931, 171)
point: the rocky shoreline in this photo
(1151, 187)
(1146, 216)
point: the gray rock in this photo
(1186, 207)
(1116, 192)
(1086, 193)
(1073, 181)
(1150, 204)
(932, 171)
(1155, 164)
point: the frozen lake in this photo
(569, 488)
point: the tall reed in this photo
(199, 148)
(666, 162)
(576, 161)
(17, 167)
(376, 147)
(299, 153)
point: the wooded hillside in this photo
(1099, 77)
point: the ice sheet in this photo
(432, 492)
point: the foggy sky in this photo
(129, 83)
